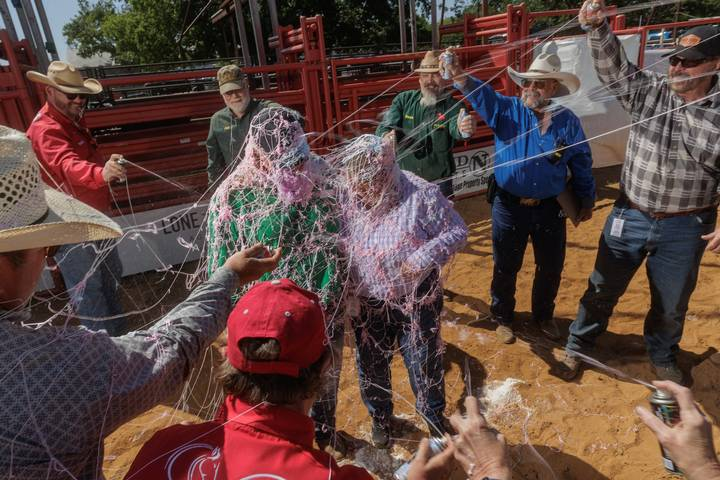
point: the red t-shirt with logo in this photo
(261, 442)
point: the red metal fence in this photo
(160, 120)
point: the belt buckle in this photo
(529, 202)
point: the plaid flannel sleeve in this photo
(615, 71)
(445, 228)
(148, 366)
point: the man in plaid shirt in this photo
(669, 189)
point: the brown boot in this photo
(550, 328)
(504, 334)
(670, 372)
(569, 367)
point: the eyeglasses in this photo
(51, 251)
(73, 96)
(527, 83)
(686, 62)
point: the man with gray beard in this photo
(425, 124)
(666, 213)
(229, 126)
(536, 143)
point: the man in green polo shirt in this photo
(229, 126)
(426, 124)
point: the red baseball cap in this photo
(281, 310)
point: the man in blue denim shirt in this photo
(536, 142)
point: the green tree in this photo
(145, 31)
(85, 31)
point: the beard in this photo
(533, 100)
(429, 97)
(681, 83)
(239, 108)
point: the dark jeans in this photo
(323, 410)
(92, 279)
(446, 187)
(377, 331)
(672, 248)
(512, 224)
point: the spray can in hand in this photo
(437, 445)
(446, 58)
(461, 117)
(591, 10)
(666, 408)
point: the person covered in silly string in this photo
(399, 230)
(278, 194)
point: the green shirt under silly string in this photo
(307, 234)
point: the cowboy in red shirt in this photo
(276, 362)
(70, 162)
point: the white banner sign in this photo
(472, 170)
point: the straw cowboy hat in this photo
(547, 66)
(33, 215)
(66, 78)
(430, 62)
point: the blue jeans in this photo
(323, 410)
(377, 330)
(446, 187)
(512, 224)
(672, 248)
(94, 299)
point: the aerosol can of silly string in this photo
(437, 445)
(446, 58)
(461, 116)
(665, 407)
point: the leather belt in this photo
(523, 201)
(529, 202)
(663, 215)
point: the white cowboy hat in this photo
(66, 78)
(547, 66)
(33, 215)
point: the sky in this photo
(59, 12)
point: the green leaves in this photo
(145, 31)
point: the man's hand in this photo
(584, 215)
(592, 13)
(408, 271)
(254, 262)
(112, 170)
(424, 467)
(466, 124)
(713, 240)
(689, 443)
(481, 451)
(390, 137)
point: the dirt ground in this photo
(585, 429)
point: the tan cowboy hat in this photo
(33, 215)
(547, 66)
(66, 78)
(430, 62)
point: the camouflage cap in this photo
(230, 77)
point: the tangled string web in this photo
(271, 197)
